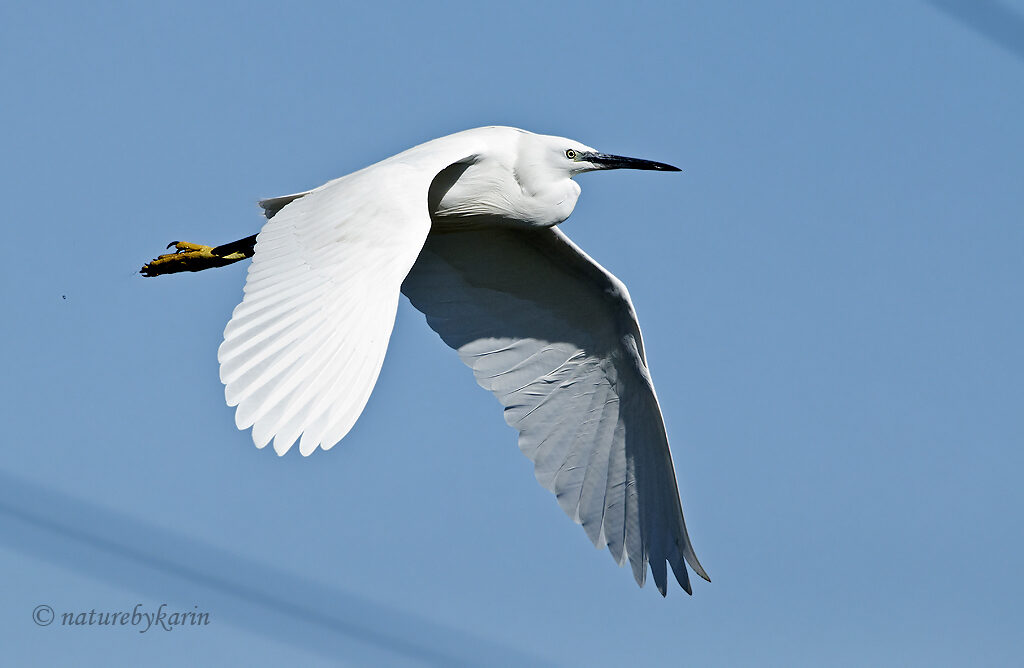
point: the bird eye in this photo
(571, 154)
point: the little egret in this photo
(465, 227)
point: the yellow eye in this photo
(571, 154)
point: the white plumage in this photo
(464, 226)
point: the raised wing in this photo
(555, 338)
(303, 350)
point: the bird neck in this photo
(552, 203)
(489, 193)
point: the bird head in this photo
(570, 157)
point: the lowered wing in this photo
(554, 336)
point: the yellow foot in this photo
(188, 257)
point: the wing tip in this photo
(691, 559)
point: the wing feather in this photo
(554, 336)
(303, 350)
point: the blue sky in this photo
(830, 295)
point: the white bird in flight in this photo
(466, 227)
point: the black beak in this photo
(605, 161)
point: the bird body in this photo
(464, 226)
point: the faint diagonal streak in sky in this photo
(994, 20)
(270, 602)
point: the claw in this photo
(197, 257)
(192, 257)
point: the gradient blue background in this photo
(831, 295)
